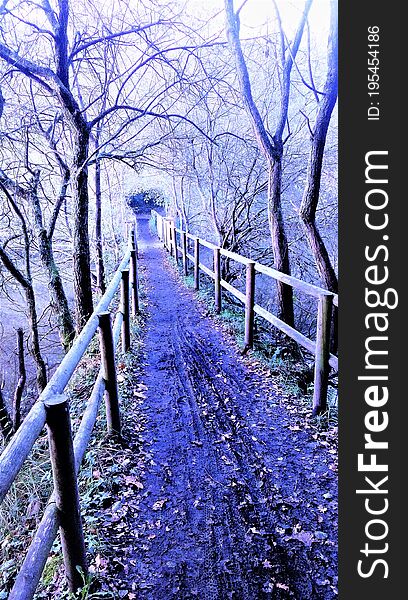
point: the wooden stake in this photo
(66, 489)
(6, 425)
(163, 231)
(134, 283)
(109, 373)
(174, 234)
(170, 237)
(159, 225)
(169, 244)
(217, 280)
(196, 263)
(124, 309)
(321, 373)
(21, 381)
(249, 304)
(133, 240)
(184, 247)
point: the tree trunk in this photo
(270, 146)
(26, 283)
(35, 339)
(321, 256)
(59, 84)
(58, 297)
(279, 240)
(311, 192)
(326, 272)
(81, 134)
(115, 240)
(81, 252)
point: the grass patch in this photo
(234, 321)
(21, 511)
(189, 280)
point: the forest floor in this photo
(225, 492)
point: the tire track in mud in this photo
(215, 488)
(245, 506)
(218, 540)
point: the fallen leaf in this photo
(159, 504)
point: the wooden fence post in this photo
(217, 280)
(155, 218)
(124, 309)
(249, 304)
(109, 373)
(6, 425)
(171, 238)
(133, 240)
(169, 245)
(184, 247)
(66, 489)
(321, 373)
(166, 233)
(196, 263)
(134, 282)
(174, 232)
(163, 233)
(18, 393)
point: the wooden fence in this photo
(179, 248)
(63, 509)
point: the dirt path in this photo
(237, 502)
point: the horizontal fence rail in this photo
(51, 408)
(319, 348)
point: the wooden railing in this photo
(63, 510)
(167, 233)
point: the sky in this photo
(256, 12)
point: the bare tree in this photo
(44, 237)
(270, 145)
(57, 84)
(311, 191)
(24, 279)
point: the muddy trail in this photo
(236, 501)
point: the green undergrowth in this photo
(101, 474)
(23, 507)
(21, 511)
(291, 366)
